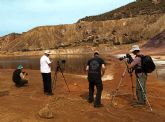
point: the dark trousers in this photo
(21, 83)
(47, 81)
(99, 87)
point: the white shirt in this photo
(44, 64)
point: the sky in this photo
(22, 15)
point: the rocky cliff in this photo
(134, 9)
(157, 41)
(7, 39)
(144, 21)
(110, 32)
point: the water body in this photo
(74, 64)
(160, 69)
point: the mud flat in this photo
(24, 103)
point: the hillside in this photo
(142, 7)
(111, 32)
(136, 22)
(8, 38)
(157, 41)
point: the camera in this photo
(25, 73)
(60, 65)
(61, 61)
(128, 57)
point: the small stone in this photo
(108, 95)
(46, 112)
(75, 84)
(115, 104)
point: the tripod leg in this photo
(130, 72)
(54, 81)
(157, 73)
(114, 95)
(64, 79)
(144, 94)
(132, 86)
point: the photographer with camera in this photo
(141, 76)
(45, 68)
(19, 77)
(96, 69)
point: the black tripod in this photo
(117, 89)
(58, 69)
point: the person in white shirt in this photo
(45, 68)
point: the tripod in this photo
(122, 77)
(58, 69)
(117, 89)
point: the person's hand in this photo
(51, 60)
(125, 59)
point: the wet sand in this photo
(23, 104)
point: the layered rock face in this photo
(110, 32)
(137, 21)
(5, 40)
(134, 9)
(153, 1)
(157, 41)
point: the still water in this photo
(74, 63)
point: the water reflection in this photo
(74, 63)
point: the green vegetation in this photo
(131, 10)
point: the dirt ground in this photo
(23, 104)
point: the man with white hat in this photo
(140, 75)
(45, 68)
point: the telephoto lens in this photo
(63, 61)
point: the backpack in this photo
(148, 65)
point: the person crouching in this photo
(19, 77)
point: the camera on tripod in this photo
(60, 65)
(128, 57)
(25, 73)
(59, 68)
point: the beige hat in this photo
(96, 52)
(47, 52)
(134, 47)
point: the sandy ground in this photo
(23, 104)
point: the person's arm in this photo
(87, 68)
(22, 75)
(49, 62)
(103, 70)
(134, 63)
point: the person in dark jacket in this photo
(19, 77)
(96, 69)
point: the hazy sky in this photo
(22, 15)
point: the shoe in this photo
(98, 105)
(17, 85)
(90, 101)
(136, 104)
(49, 94)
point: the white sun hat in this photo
(47, 52)
(134, 47)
